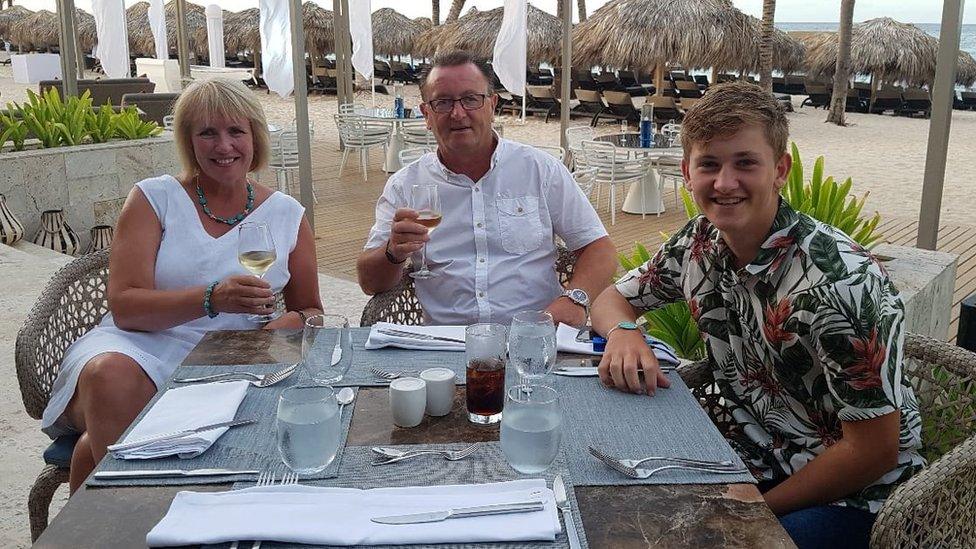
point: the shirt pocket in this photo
(521, 228)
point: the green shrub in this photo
(128, 125)
(821, 198)
(101, 126)
(13, 130)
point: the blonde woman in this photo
(174, 273)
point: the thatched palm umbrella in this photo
(788, 52)
(477, 33)
(10, 16)
(423, 22)
(882, 48)
(85, 30)
(36, 31)
(200, 40)
(141, 41)
(393, 32)
(242, 31)
(319, 29)
(643, 34)
(966, 69)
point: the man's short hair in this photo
(727, 108)
(455, 58)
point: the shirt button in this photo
(519, 210)
(481, 260)
(481, 294)
(480, 225)
(476, 189)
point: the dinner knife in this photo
(589, 371)
(417, 335)
(461, 512)
(172, 436)
(170, 473)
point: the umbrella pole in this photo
(943, 90)
(659, 79)
(301, 109)
(565, 73)
(182, 42)
(69, 64)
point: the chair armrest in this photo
(934, 508)
(398, 305)
(696, 375)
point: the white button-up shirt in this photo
(498, 231)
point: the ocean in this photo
(967, 40)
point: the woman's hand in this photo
(291, 319)
(242, 294)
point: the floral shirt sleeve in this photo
(658, 282)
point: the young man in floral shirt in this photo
(802, 325)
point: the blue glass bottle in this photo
(647, 127)
(398, 100)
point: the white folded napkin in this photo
(181, 409)
(341, 516)
(566, 343)
(376, 340)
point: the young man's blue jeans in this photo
(826, 526)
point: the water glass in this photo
(308, 426)
(532, 345)
(530, 429)
(326, 348)
(484, 350)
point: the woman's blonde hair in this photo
(205, 100)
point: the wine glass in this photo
(256, 252)
(424, 199)
(532, 345)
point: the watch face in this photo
(627, 325)
(579, 296)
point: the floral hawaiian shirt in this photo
(806, 336)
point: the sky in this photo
(909, 11)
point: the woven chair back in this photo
(74, 301)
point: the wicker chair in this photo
(74, 301)
(936, 507)
(400, 305)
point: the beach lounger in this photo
(540, 99)
(888, 99)
(702, 81)
(686, 88)
(590, 103)
(154, 106)
(916, 101)
(381, 70)
(620, 106)
(795, 85)
(968, 99)
(665, 109)
(104, 90)
(779, 84)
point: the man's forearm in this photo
(376, 273)
(595, 265)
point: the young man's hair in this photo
(455, 58)
(727, 108)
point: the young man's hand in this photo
(625, 354)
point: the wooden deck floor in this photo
(344, 215)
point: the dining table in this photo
(395, 144)
(617, 516)
(648, 185)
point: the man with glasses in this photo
(503, 203)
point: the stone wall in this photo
(926, 281)
(89, 182)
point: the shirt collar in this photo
(779, 243)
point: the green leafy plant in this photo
(73, 123)
(821, 198)
(128, 125)
(41, 115)
(101, 126)
(13, 130)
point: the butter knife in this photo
(170, 473)
(416, 335)
(173, 436)
(461, 512)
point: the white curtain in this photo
(275, 29)
(157, 23)
(113, 41)
(509, 56)
(215, 35)
(361, 29)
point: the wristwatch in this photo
(581, 298)
(390, 257)
(624, 325)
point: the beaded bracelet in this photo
(207, 306)
(303, 315)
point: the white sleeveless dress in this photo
(188, 256)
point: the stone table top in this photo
(717, 515)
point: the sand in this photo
(885, 155)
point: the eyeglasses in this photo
(471, 102)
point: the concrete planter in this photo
(90, 182)
(926, 281)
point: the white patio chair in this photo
(585, 179)
(614, 167)
(284, 161)
(574, 137)
(668, 168)
(413, 153)
(557, 152)
(168, 122)
(360, 133)
(349, 108)
(416, 134)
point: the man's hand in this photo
(625, 354)
(565, 310)
(406, 235)
(289, 320)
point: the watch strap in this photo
(390, 257)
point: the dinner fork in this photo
(633, 472)
(388, 375)
(266, 478)
(395, 455)
(287, 478)
(258, 380)
(603, 456)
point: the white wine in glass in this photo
(256, 253)
(429, 219)
(425, 200)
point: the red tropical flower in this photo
(781, 243)
(701, 243)
(761, 378)
(774, 319)
(869, 357)
(694, 308)
(828, 428)
(650, 276)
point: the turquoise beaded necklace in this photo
(228, 220)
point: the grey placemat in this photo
(671, 423)
(392, 359)
(486, 465)
(251, 447)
